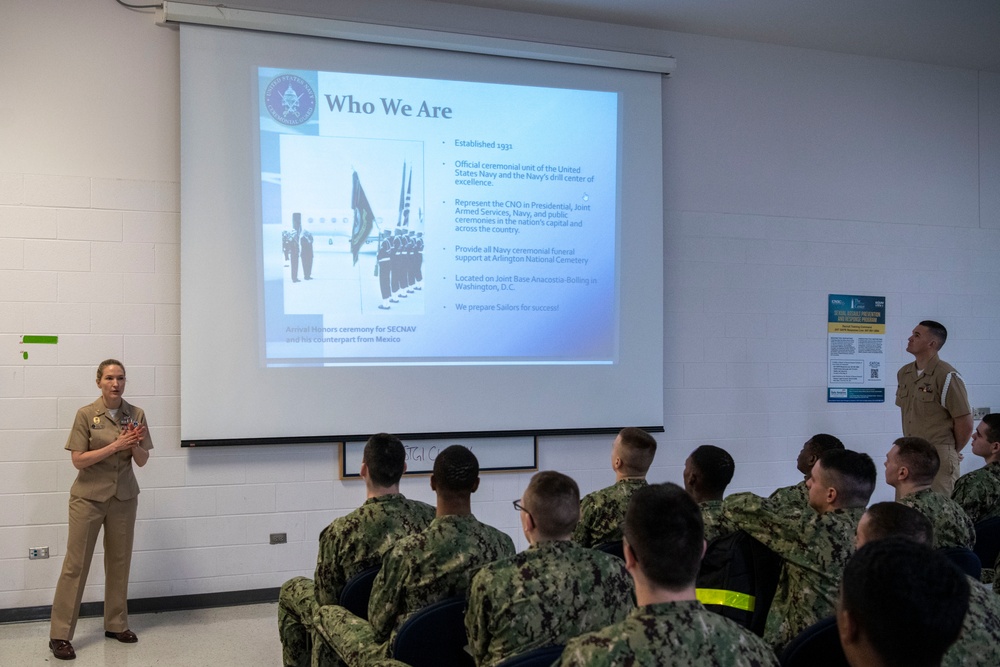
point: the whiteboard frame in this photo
(495, 454)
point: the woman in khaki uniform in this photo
(107, 436)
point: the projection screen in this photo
(382, 238)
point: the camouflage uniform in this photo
(680, 634)
(979, 492)
(347, 546)
(952, 526)
(420, 570)
(978, 645)
(716, 524)
(814, 549)
(602, 513)
(547, 594)
(791, 497)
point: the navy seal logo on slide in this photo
(290, 100)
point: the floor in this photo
(246, 635)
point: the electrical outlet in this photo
(35, 553)
(979, 413)
(279, 538)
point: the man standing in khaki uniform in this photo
(933, 401)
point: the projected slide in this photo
(425, 221)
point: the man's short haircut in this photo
(907, 599)
(852, 474)
(992, 422)
(891, 519)
(385, 457)
(919, 457)
(553, 501)
(637, 451)
(937, 330)
(664, 528)
(716, 468)
(823, 442)
(456, 469)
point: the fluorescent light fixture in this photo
(221, 16)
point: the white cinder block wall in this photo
(789, 175)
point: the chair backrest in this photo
(988, 541)
(816, 646)
(614, 548)
(434, 636)
(357, 590)
(737, 579)
(965, 559)
(538, 657)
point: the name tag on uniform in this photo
(97, 423)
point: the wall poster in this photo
(856, 349)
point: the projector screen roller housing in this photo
(379, 238)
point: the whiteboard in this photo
(495, 454)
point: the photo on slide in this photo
(347, 242)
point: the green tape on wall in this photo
(39, 340)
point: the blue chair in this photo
(538, 657)
(964, 559)
(614, 548)
(988, 541)
(357, 590)
(434, 636)
(816, 646)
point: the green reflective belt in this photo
(725, 598)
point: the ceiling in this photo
(951, 33)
